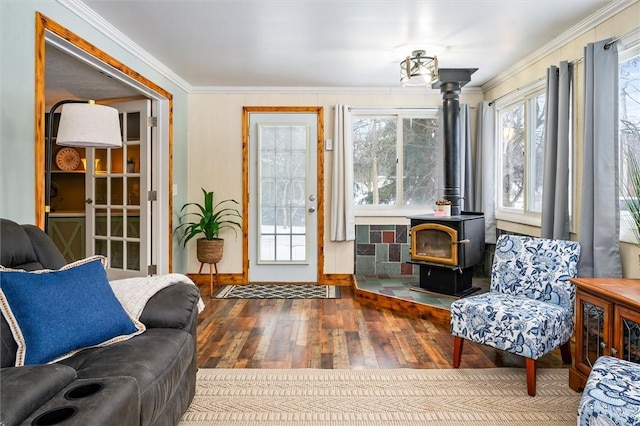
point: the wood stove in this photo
(447, 249)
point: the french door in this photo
(283, 237)
(118, 209)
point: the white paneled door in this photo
(282, 197)
(117, 205)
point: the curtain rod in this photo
(526, 86)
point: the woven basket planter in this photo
(209, 251)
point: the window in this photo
(628, 127)
(397, 160)
(521, 153)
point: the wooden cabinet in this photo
(607, 323)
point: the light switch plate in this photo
(328, 144)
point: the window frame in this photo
(400, 113)
(528, 98)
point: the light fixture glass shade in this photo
(89, 125)
(419, 69)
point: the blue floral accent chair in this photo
(529, 308)
(612, 394)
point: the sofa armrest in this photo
(25, 389)
(175, 306)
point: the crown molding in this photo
(277, 89)
(101, 25)
(572, 33)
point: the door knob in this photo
(312, 209)
(312, 197)
(88, 201)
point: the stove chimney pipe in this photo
(450, 82)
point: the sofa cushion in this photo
(158, 359)
(85, 313)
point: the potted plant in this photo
(443, 208)
(207, 221)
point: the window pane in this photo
(536, 154)
(374, 161)
(421, 161)
(511, 132)
(629, 121)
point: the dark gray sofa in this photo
(146, 380)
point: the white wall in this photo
(215, 154)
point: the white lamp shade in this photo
(89, 125)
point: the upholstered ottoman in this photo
(612, 394)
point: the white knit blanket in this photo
(134, 293)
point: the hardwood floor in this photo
(332, 334)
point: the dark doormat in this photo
(278, 291)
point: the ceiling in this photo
(324, 43)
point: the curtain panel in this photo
(484, 177)
(343, 225)
(599, 228)
(557, 133)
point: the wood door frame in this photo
(44, 24)
(319, 111)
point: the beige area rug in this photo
(401, 397)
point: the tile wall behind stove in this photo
(383, 249)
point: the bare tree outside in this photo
(513, 165)
(380, 171)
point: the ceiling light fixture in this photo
(419, 69)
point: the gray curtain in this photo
(484, 181)
(599, 208)
(555, 199)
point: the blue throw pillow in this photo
(54, 314)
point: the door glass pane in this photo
(133, 191)
(116, 223)
(116, 191)
(101, 247)
(101, 190)
(101, 222)
(116, 160)
(268, 247)
(592, 333)
(115, 258)
(133, 158)
(133, 223)
(630, 340)
(283, 247)
(133, 258)
(100, 160)
(282, 192)
(133, 126)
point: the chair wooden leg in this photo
(565, 351)
(531, 377)
(457, 351)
